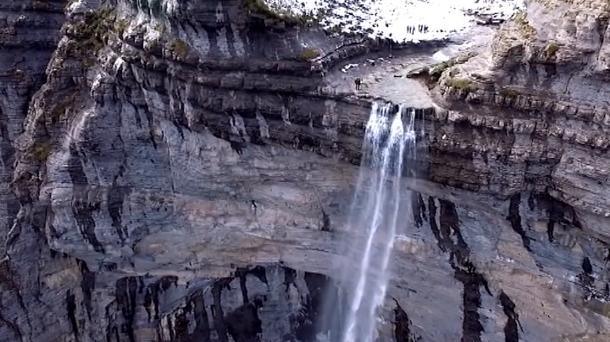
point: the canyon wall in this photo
(182, 170)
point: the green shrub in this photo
(461, 84)
(180, 48)
(41, 151)
(551, 50)
(309, 54)
(93, 32)
(507, 92)
(260, 7)
(523, 24)
(120, 25)
(437, 70)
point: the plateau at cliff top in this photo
(399, 20)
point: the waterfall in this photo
(374, 216)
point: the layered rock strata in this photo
(185, 171)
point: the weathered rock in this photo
(539, 87)
(185, 174)
(29, 31)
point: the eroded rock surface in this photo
(185, 169)
(542, 84)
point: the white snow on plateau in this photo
(399, 20)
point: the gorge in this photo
(184, 170)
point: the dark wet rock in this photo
(511, 329)
(515, 220)
(465, 271)
(402, 326)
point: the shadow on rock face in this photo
(263, 303)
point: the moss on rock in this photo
(550, 50)
(179, 48)
(461, 84)
(309, 54)
(41, 151)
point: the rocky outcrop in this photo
(29, 31)
(121, 148)
(542, 89)
(185, 171)
(530, 114)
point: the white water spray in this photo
(374, 217)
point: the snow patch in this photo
(400, 20)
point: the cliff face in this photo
(157, 159)
(545, 78)
(29, 32)
(185, 171)
(531, 114)
(543, 84)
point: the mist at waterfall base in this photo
(350, 314)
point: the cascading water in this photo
(389, 139)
